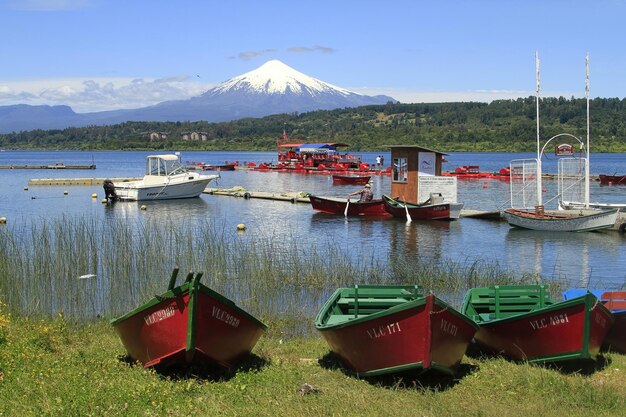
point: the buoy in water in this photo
(241, 227)
(94, 195)
(485, 184)
(104, 201)
(3, 220)
(65, 192)
(25, 188)
(143, 207)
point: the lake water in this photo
(594, 259)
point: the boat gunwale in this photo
(402, 204)
(419, 301)
(180, 291)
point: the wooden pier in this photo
(58, 165)
(292, 197)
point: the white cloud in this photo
(307, 49)
(89, 95)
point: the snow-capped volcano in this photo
(274, 77)
(277, 88)
(272, 88)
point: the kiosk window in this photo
(400, 172)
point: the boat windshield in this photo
(163, 167)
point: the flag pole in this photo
(587, 97)
(539, 185)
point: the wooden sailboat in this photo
(537, 218)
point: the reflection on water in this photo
(169, 210)
(418, 239)
(579, 259)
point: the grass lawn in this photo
(53, 367)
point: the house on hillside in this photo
(155, 135)
(195, 136)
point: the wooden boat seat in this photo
(614, 300)
(506, 301)
(341, 318)
(372, 302)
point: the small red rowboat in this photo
(612, 179)
(377, 330)
(335, 205)
(399, 208)
(351, 179)
(223, 167)
(522, 323)
(188, 324)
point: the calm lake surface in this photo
(587, 259)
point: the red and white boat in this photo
(377, 330)
(188, 324)
(342, 206)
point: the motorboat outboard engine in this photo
(109, 190)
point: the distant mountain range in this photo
(272, 88)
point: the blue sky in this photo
(109, 54)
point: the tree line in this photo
(502, 125)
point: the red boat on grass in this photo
(351, 179)
(334, 205)
(377, 330)
(612, 179)
(615, 301)
(404, 210)
(522, 323)
(188, 324)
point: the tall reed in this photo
(85, 268)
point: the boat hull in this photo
(425, 334)
(225, 167)
(351, 179)
(570, 330)
(333, 205)
(575, 205)
(561, 223)
(426, 212)
(188, 325)
(140, 191)
(616, 338)
(612, 179)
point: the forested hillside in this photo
(503, 125)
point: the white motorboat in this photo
(165, 179)
(577, 205)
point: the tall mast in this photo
(587, 96)
(539, 185)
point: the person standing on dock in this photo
(377, 161)
(366, 193)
